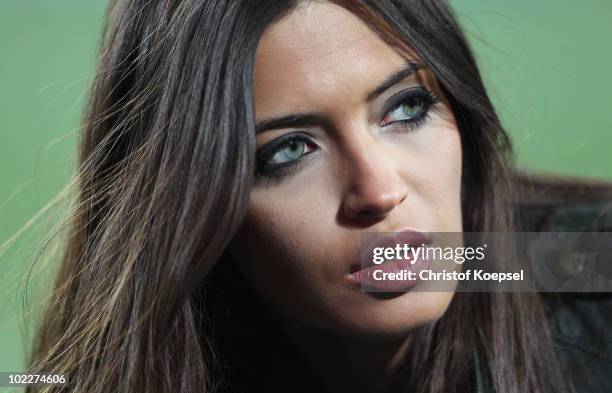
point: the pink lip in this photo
(363, 275)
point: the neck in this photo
(342, 364)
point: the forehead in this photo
(315, 55)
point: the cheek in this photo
(445, 173)
(446, 179)
(432, 166)
(282, 218)
(450, 154)
(285, 250)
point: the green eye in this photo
(409, 107)
(412, 109)
(291, 151)
(278, 157)
(408, 110)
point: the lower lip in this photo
(365, 277)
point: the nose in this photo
(375, 187)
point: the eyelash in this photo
(427, 100)
(266, 152)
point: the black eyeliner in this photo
(426, 95)
(267, 151)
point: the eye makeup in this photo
(404, 111)
(408, 108)
(298, 145)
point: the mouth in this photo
(397, 263)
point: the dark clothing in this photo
(580, 323)
(582, 331)
(580, 326)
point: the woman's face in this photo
(351, 154)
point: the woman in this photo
(232, 156)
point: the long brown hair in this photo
(166, 166)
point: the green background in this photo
(546, 65)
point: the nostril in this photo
(365, 214)
(372, 204)
(376, 211)
(374, 187)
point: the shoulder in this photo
(580, 323)
(581, 327)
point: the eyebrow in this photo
(396, 77)
(309, 119)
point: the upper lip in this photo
(410, 237)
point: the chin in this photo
(385, 316)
